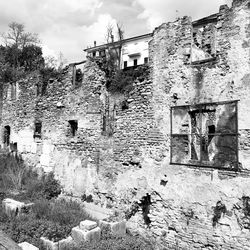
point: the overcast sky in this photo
(70, 26)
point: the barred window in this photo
(205, 135)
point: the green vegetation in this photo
(48, 217)
(51, 219)
(20, 182)
(111, 242)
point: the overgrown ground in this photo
(48, 217)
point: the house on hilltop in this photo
(134, 50)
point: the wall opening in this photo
(77, 73)
(145, 205)
(6, 135)
(38, 130)
(205, 135)
(204, 39)
(73, 127)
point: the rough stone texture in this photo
(87, 225)
(12, 207)
(187, 207)
(48, 244)
(80, 235)
(116, 228)
(59, 245)
(27, 246)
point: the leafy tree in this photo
(31, 58)
(20, 54)
(18, 37)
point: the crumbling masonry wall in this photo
(128, 167)
(73, 158)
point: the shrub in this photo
(68, 212)
(28, 228)
(110, 242)
(45, 187)
(52, 187)
(41, 209)
(12, 171)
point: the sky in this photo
(69, 26)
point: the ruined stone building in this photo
(173, 152)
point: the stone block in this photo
(12, 207)
(93, 235)
(104, 225)
(61, 244)
(87, 225)
(27, 246)
(48, 244)
(65, 243)
(80, 235)
(118, 228)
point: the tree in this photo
(17, 41)
(115, 47)
(20, 54)
(31, 58)
(18, 37)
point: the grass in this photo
(53, 219)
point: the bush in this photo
(45, 187)
(53, 220)
(30, 229)
(122, 80)
(52, 187)
(68, 213)
(12, 171)
(111, 242)
(41, 209)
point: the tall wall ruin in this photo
(117, 147)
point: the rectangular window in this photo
(205, 135)
(94, 54)
(145, 60)
(38, 130)
(6, 136)
(73, 127)
(135, 62)
(13, 91)
(102, 53)
(125, 64)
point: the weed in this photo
(219, 210)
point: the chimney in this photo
(112, 38)
(94, 43)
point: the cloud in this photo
(72, 40)
(159, 11)
(62, 25)
(70, 26)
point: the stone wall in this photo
(71, 157)
(127, 167)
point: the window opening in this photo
(13, 91)
(145, 60)
(135, 62)
(73, 127)
(125, 64)
(205, 135)
(38, 130)
(7, 135)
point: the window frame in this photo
(200, 160)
